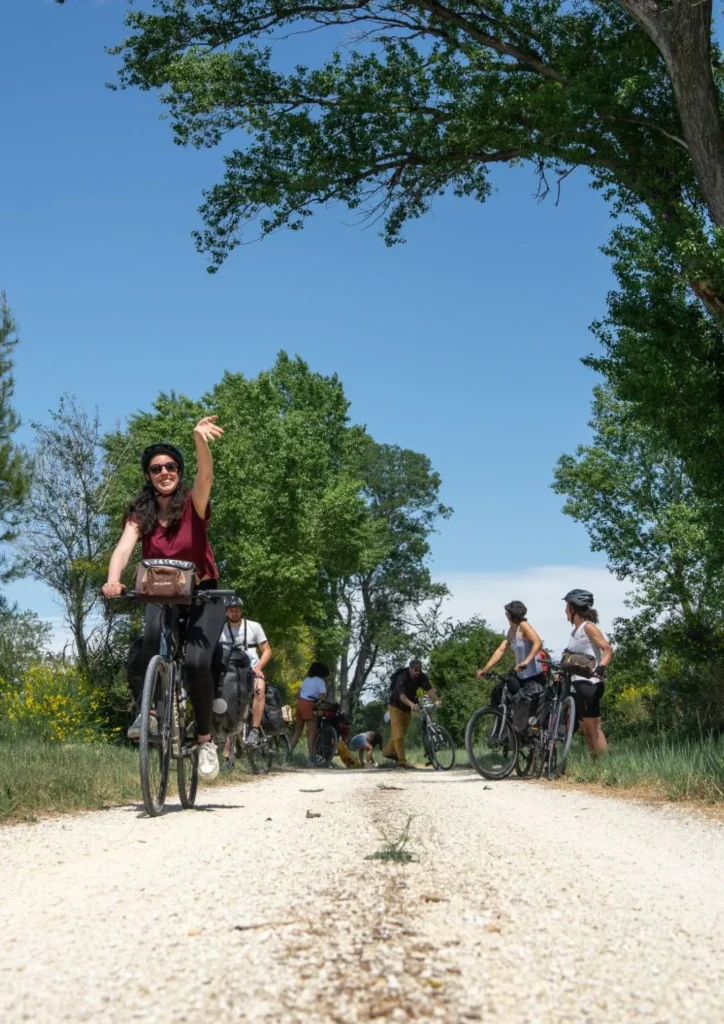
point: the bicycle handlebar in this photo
(198, 597)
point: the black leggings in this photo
(202, 624)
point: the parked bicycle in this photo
(331, 724)
(168, 729)
(498, 742)
(273, 750)
(437, 741)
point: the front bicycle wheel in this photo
(325, 747)
(187, 758)
(491, 744)
(281, 749)
(560, 744)
(155, 740)
(440, 748)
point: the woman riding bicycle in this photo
(587, 638)
(525, 644)
(171, 521)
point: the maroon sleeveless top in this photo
(186, 543)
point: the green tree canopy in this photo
(429, 96)
(14, 467)
(639, 507)
(310, 516)
(379, 604)
(64, 543)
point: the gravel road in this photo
(525, 903)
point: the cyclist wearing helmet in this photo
(587, 638)
(171, 519)
(525, 644)
(240, 634)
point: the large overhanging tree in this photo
(430, 96)
(419, 97)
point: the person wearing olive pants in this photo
(403, 698)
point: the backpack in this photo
(236, 689)
(393, 682)
(273, 717)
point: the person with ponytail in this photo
(587, 638)
(171, 520)
(525, 644)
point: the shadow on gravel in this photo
(175, 808)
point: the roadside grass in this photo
(38, 778)
(677, 768)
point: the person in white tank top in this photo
(587, 638)
(525, 644)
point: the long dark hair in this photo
(588, 614)
(143, 509)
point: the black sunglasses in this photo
(170, 467)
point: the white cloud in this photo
(541, 589)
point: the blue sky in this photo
(464, 343)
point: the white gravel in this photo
(526, 904)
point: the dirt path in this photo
(525, 904)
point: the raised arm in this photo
(120, 559)
(205, 431)
(492, 662)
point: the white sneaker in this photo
(208, 761)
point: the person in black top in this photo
(403, 700)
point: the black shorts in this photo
(588, 695)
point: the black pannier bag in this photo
(273, 720)
(526, 705)
(236, 688)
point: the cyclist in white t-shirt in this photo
(313, 688)
(240, 634)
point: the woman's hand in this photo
(112, 589)
(207, 429)
(521, 667)
(480, 673)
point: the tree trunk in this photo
(682, 34)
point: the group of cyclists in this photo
(170, 518)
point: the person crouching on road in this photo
(363, 744)
(525, 644)
(313, 688)
(403, 701)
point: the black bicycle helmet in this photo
(234, 602)
(158, 449)
(580, 598)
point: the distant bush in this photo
(54, 701)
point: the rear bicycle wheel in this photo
(440, 748)
(491, 744)
(187, 760)
(154, 749)
(260, 758)
(560, 744)
(325, 746)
